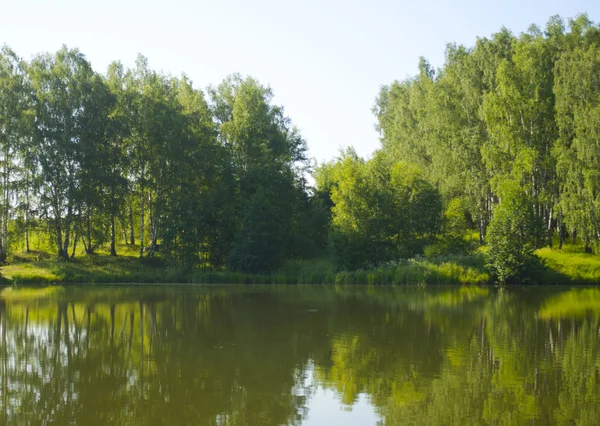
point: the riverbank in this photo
(567, 266)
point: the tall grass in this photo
(441, 270)
(101, 269)
(566, 266)
(570, 265)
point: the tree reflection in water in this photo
(257, 355)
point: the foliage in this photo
(218, 179)
(509, 109)
(380, 212)
(203, 179)
(455, 227)
(570, 265)
(577, 113)
(513, 235)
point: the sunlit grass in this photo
(572, 263)
(467, 270)
(39, 267)
(19, 273)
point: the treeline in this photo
(503, 138)
(214, 179)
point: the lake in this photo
(300, 355)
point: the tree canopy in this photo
(209, 178)
(220, 178)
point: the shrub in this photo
(514, 233)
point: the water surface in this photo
(300, 355)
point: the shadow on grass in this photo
(562, 268)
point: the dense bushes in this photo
(513, 235)
(382, 212)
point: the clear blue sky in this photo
(325, 60)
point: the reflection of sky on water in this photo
(325, 407)
(322, 411)
(396, 356)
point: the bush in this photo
(259, 243)
(382, 212)
(514, 233)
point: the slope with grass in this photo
(567, 266)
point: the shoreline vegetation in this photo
(568, 266)
(486, 165)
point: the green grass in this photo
(43, 268)
(567, 266)
(571, 265)
(440, 270)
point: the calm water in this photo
(303, 355)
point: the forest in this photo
(210, 179)
(503, 140)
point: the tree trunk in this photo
(74, 245)
(67, 232)
(549, 227)
(484, 208)
(27, 213)
(27, 250)
(59, 238)
(89, 248)
(481, 232)
(113, 250)
(561, 238)
(561, 231)
(142, 227)
(154, 226)
(6, 204)
(131, 230)
(85, 247)
(122, 222)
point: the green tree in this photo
(514, 233)
(577, 91)
(65, 104)
(15, 102)
(195, 164)
(381, 211)
(519, 113)
(268, 158)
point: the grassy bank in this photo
(567, 266)
(571, 265)
(42, 267)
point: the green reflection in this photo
(256, 355)
(574, 303)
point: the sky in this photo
(325, 60)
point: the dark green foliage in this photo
(219, 179)
(146, 157)
(513, 235)
(511, 110)
(351, 250)
(260, 241)
(268, 160)
(455, 227)
(381, 212)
